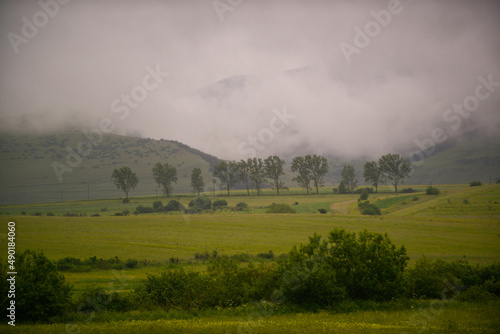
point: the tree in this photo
(273, 167)
(349, 178)
(41, 293)
(300, 165)
(318, 167)
(125, 179)
(372, 173)
(394, 169)
(165, 175)
(227, 173)
(197, 181)
(244, 173)
(257, 173)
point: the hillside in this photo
(27, 174)
(27, 166)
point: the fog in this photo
(225, 72)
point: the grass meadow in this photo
(461, 222)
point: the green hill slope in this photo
(27, 172)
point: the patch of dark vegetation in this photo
(173, 205)
(408, 190)
(432, 191)
(322, 211)
(366, 208)
(280, 208)
(475, 184)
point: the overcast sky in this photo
(345, 93)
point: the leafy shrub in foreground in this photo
(41, 292)
(364, 195)
(143, 209)
(280, 208)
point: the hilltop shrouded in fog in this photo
(356, 79)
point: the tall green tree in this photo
(303, 178)
(349, 178)
(244, 173)
(165, 175)
(197, 181)
(273, 166)
(318, 167)
(227, 173)
(395, 169)
(125, 179)
(372, 173)
(257, 173)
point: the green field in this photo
(461, 222)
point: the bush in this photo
(269, 255)
(475, 183)
(280, 208)
(157, 206)
(94, 299)
(367, 189)
(432, 191)
(143, 209)
(498, 180)
(50, 214)
(201, 203)
(191, 211)
(173, 205)
(241, 206)
(41, 292)
(408, 190)
(125, 200)
(322, 211)
(342, 188)
(364, 195)
(131, 263)
(368, 209)
(219, 203)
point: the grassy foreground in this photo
(439, 317)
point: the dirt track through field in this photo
(342, 207)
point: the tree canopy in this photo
(273, 167)
(165, 175)
(394, 168)
(125, 179)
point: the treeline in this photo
(256, 173)
(345, 268)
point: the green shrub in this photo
(368, 209)
(498, 180)
(280, 208)
(131, 263)
(322, 211)
(201, 203)
(432, 191)
(241, 206)
(415, 198)
(94, 299)
(408, 190)
(157, 206)
(125, 200)
(50, 214)
(364, 195)
(143, 209)
(475, 183)
(269, 255)
(191, 211)
(174, 205)
(41, 292)
(476, 294)
(219, 203)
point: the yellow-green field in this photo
(461, 221)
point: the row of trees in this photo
(255, 173)
(390, 168)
